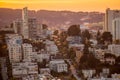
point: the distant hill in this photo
(51, 18)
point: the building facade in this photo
(116, 29)
(27, 52)
(24, 29)
(110, 15)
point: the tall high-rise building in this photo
(27, 52)
(25, 31)
(17, 26)
(32, 23)
(116, 29)
(110, 15)
(14, 42)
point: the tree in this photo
(109, 55)
(88, 61)
(55, 32)
(44, 26)
(117, 60)
(71, 53)
(86, 34)
(107, 36)
(98, 36)
(74, 30)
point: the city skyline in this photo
(58, 5)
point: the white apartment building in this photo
(88, 73)
(114, 49)
(78, 47)
(110, 15)
(102, 78)
(27, 52)
(24, 68)
(13, 39)
(15, 53)
(42, 56)
(14, 42)
(58, 66)
(116, 29)
(51, 47)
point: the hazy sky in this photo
(72, 5)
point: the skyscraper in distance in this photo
(25, 31)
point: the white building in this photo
(51, 47)
(14, 42)
(13, 39)
(42, 56)
(78, 47)
(110, 15)
(25, 31)
(24, 68)
(44, 71)
(88, 73)
(102, 78)
(116, 29)
(114, 49)
(27, 52)
(15, 53)
(58, 66)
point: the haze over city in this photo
(72, 5)
(59, 39)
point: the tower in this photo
(25, 31)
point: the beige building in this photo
(116, 29)
(24, 29)
(110, 15)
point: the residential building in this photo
(24, 68)
(14, 42)
(51, 47)
(88, 73)
(116, 29)
(3, 67)
(58, 66)
(15, 53)
(27, 52)
(74, 40)
(32, 23)
(110, 15)
(42, 56)
(13, 39)
(44, 71)
(17, 26)
(114, 49)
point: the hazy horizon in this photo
(62, 5)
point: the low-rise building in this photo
(58, 65)
(88, 73)
(24, 68)
(115, 49)
(44, 71)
